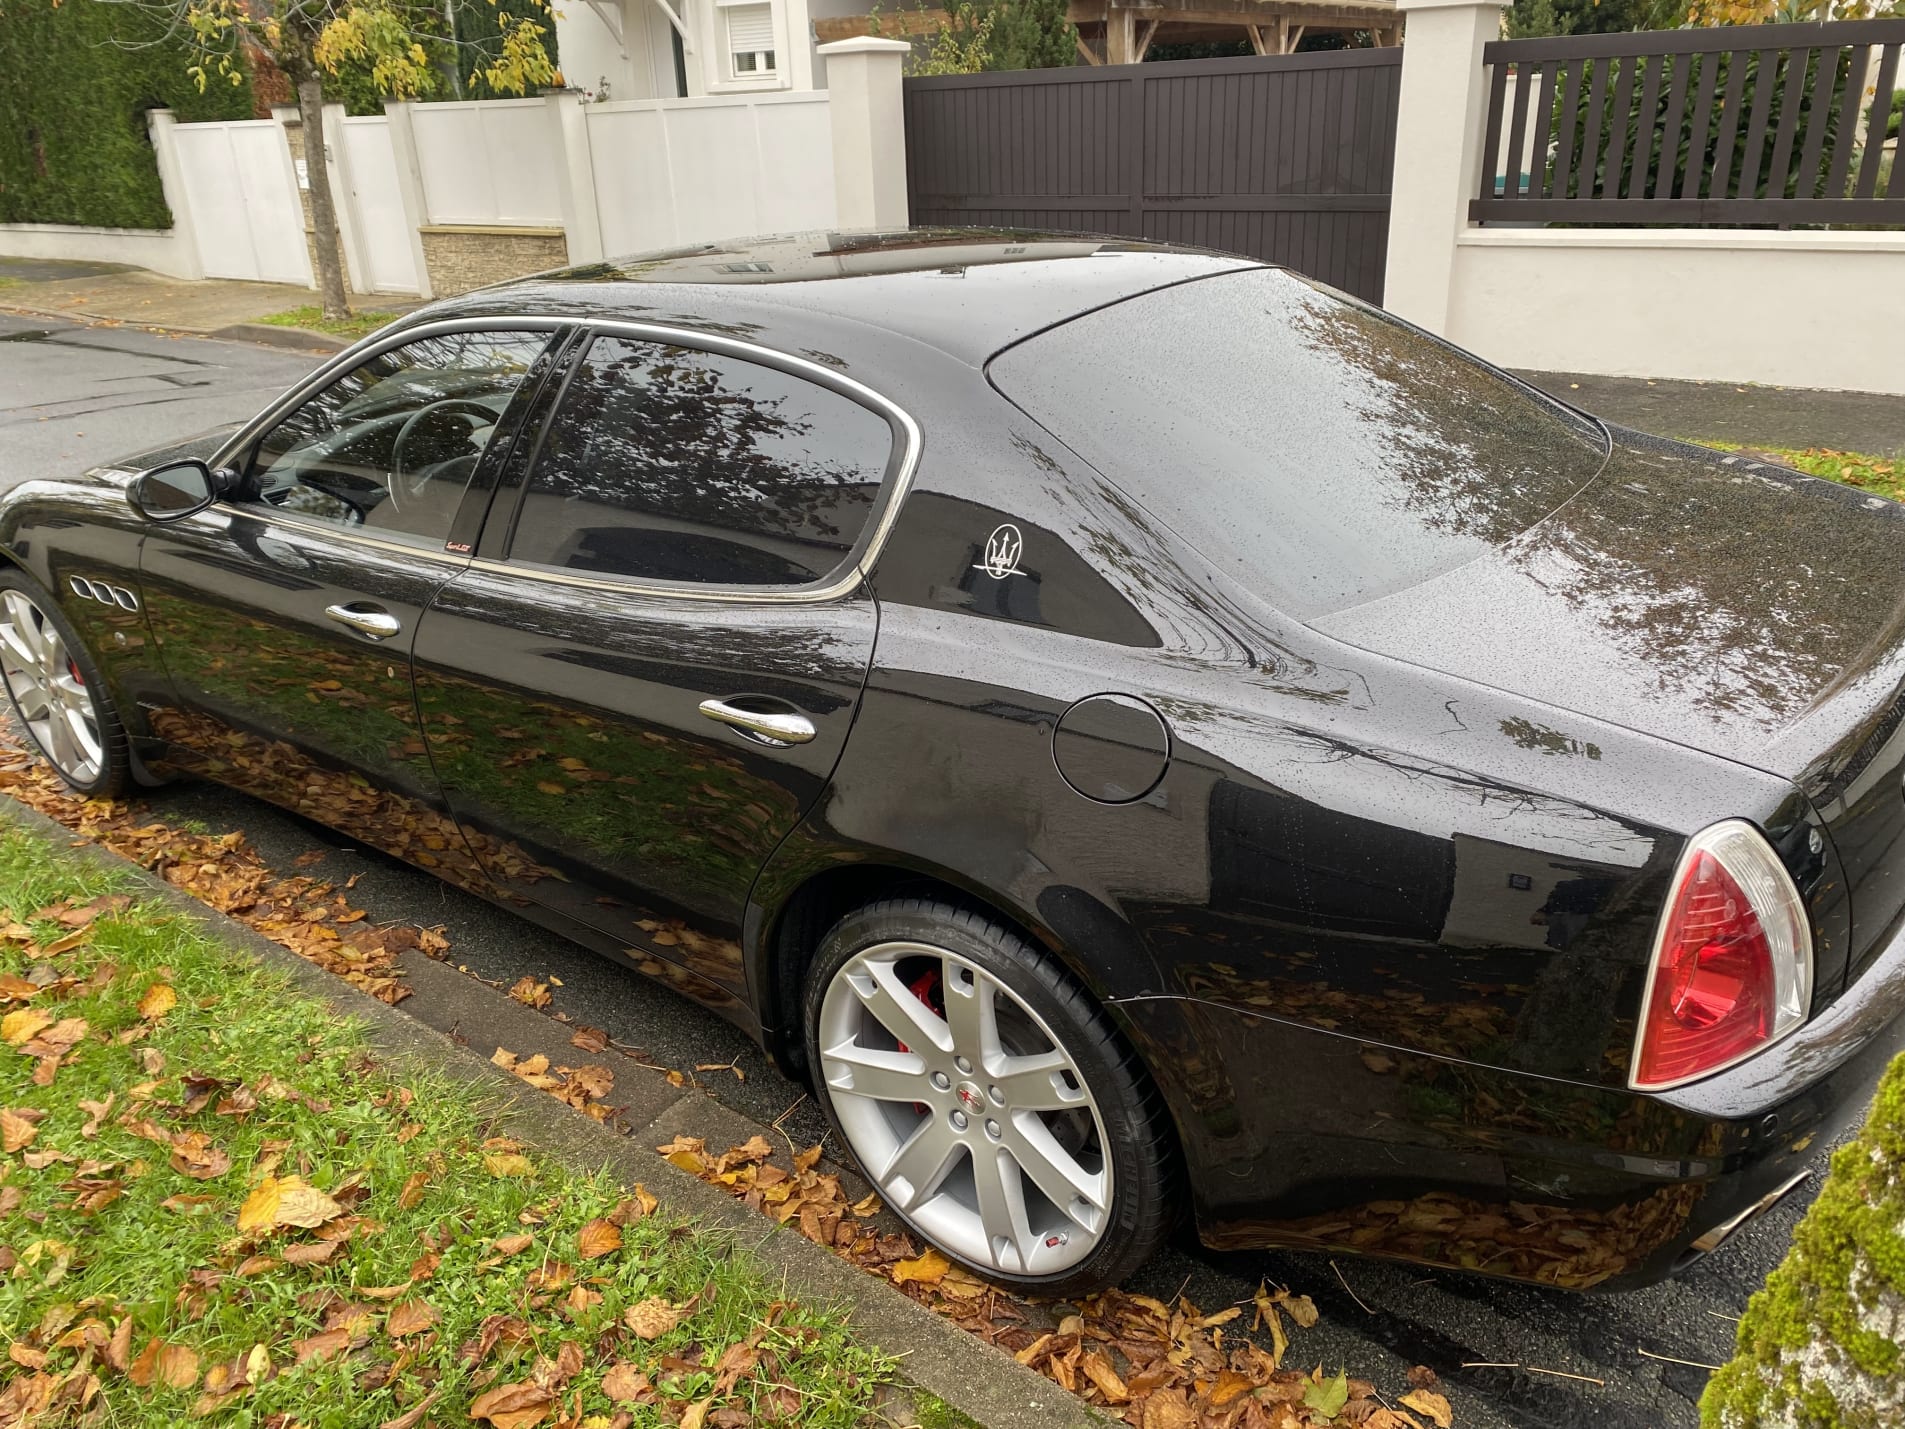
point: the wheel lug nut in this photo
(998, 1097)
(959, 1121)
(963, 1065)
(992, 1130)
(941, 1080)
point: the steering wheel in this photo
(406, 483)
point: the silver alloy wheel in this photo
(976, 1125)
(47, 690)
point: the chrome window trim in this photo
(291, 524)
(848, 577)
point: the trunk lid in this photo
(1738, 608)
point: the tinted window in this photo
(1315, 448)
(391, 445)
(671, 464)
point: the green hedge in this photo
(73, 145)
(1823, 1345)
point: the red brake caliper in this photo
(926, 987)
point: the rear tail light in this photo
(1732, 967)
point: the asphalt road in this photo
(72, 396)
(76, 396)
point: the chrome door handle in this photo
(778, 729)
(377, 624)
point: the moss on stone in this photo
(1823, 1344)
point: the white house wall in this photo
(489, 162)
(696, 170)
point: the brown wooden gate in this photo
(1286, 158)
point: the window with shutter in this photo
(750, 40)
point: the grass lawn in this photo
(1883, 476)
(312, 320)
(214, 1200)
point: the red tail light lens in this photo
(1732, 969)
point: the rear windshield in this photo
(1314, 448)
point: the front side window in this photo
(390, 446)
(672, 464)
(750, 40)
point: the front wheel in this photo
(987, 1098)
(57, 692)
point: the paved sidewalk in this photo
(1868, 422)
(100, 292)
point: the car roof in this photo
(969, 292)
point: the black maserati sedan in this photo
(1142, 733)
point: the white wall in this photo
(490, 162)
(242, 192)
(1789, 309)
(669, 172)
(159, 249)
(376, 204)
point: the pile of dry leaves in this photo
(1161, 1367)
(312, 918)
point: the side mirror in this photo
(176, 489)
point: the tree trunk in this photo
(330, 255)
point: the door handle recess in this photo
(778, 729)
(377, 624)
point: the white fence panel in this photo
(377, 203)
(673, 171)
(492, 161)
(243, 195)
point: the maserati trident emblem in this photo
(1002, 552)
(970, 1096)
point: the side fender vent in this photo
(103, 593)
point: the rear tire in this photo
(57, 693)
(987, 1097)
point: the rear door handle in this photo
(776, 729)
(377, 624)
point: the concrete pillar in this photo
(869, 131)
(161, 124)
(581, 221)
(1438, 151)
(416, 212)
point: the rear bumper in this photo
(1298, 1136)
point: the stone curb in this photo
(303, 339)
(982, 1383)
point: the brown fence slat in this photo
(1591, 136)
(1636, 186)
(1663, 185)
(1617, 129)
(1792, 95)
(1517, 132)
(1848, 121)
(1492, 128)
(1693, 177)
(1819, 106)
(1753, 146)
(1735, 104)
(1570, 124)
(1875, 124)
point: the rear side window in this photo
(1317, 450)
(667, 463)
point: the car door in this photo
(284, 614)
(646, 677)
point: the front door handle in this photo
(776, 729)
(377, 624)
